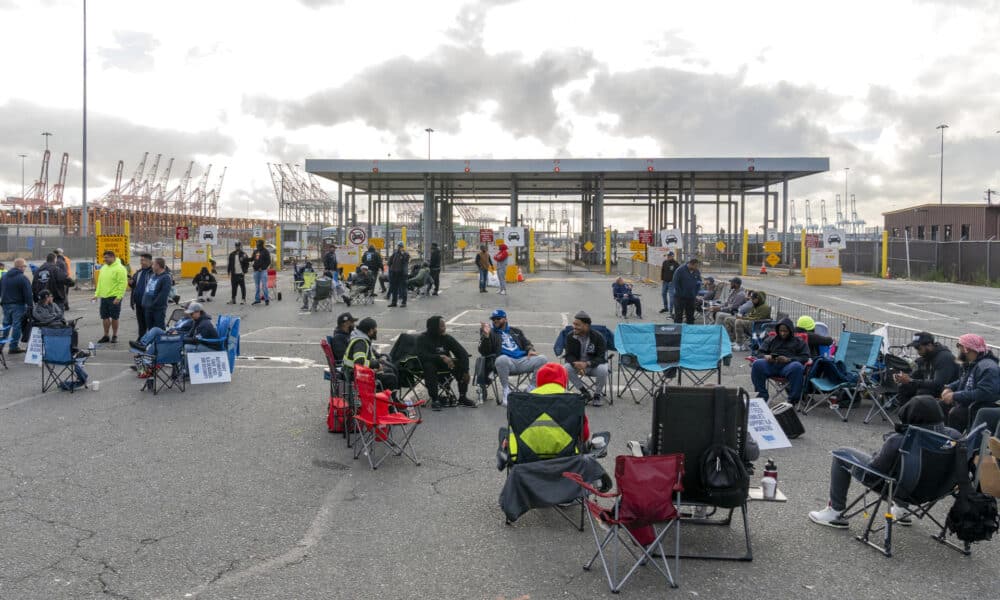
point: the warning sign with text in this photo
(117, 244)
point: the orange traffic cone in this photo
(763, 268)
(520, 275)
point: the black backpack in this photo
(724, 476)
(973, 517)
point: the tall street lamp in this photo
(429, 132)
(23, 156)
(84, 215)
(942, 127)
(46, 135)
(846, 172)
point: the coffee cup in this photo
(94, 386)
(769, 487)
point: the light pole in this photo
(942, 127)
(846, 172)
(46, 135)
(84, 215)
(23, 156)
(429, 132)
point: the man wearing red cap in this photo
(552, 379)
(977, 387)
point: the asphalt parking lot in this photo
(238, 491)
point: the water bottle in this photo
(770, 469)
(769, 482)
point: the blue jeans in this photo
(665, 294)
(793, 372)
(150, 338)
(260, 281)
(672, 294)
(483, 274)
(12, 315)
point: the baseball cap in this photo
(670, 253)
(59, 250)
(921, 338)
(710, 278)
(399, 245)
(193, 308)
(345, 317)
(736, 280)
(498, 314)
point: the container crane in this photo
(810, 226)
(822, 215)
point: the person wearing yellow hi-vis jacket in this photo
(111, 285)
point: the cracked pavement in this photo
(238, 491)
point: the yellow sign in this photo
(462, 244)
(639, 256)
(636, 246)
(772, 259)
(720, 246)
(117, 244)
(253, 242)
(588, 246)
(772, 246)
(379, 243)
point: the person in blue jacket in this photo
(157, 295)
(16, 299)
(687, 279)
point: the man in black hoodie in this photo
(435, 265)
(936, 368)
(237, 267)
(439, 353)
(781, 355)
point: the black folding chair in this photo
(929, 467)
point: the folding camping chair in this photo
(228, 328)
(609, 339)
(930, 465)
(620, 311)
(272, 285)
(58, 364)
(322, 295)
(704, 350)
(777, 386)
(540, 443)
(649, 488)
(307, 281)
(167, 363)
(4, 340)
(643, 361)
(410, 372)
(857, 355)
(376, 426)
(342, 401)
(486, 379)
(685, 420)
(177, 315)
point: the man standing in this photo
(717, 314)
(330, 261)
(686, 279)
(111, 285)
(16, 300)
(157, 295)
(936, 368)
(63, 262)
(483, 263)
(138, 284)
(372, 258)
(513, 352)
(439, 352)
(239, 262)
(261, 263)
(50, 276)
(399, 264)
(782, 355)
(435, 266)
(586, 354)
(666, 281)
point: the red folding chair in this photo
(376, 426)
(649, 489)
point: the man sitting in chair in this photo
(782, 355)
(195, 329)
(739, 327)
(342, 335)
(921, 411)
(364, 282)
(361, 351)
(323, 281)
(48, 313)
(977, 387)
(586, 354)
(439, 352)
(805, 324)
(513, 351)
(737, 296)
(624, 296)
(936, 368)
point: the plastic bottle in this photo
(769, 482)
(770, 469)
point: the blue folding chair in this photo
(638, 361)
(4, 340)
(705, 349)
(168, 364)
(58, 365)
(228, 341)
(846, 376)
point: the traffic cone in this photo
(520, 275)
(888, 272)
(763, 268)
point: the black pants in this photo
(382, 279)
(436, 276)
(684, 310)
(460, 373)
(140, 319)
(238, 281)
(914, 388)
(397, 287)
(156, 317)
(209, 287)
(960, 417)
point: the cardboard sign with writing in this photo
(117, 244)
(208, 367)
(764, 428)
(33, 355)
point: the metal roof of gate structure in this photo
(567, 175)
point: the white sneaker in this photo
(503, 292)
(506, 392)
(901, 516)
(736, 347)
(829, 517)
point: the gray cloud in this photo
(259, 200)
(109, 139)
(404, 93)
(133, 53)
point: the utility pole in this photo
(46, 135)
(84, 214)
(23, 156)
(429, 132)
(942, 127)
(989, 195)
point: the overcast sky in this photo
(240, 84)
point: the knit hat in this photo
(551, 373)
(583, 317)
(921, 410)
(806, 322)
(973, 342)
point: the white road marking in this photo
(930, 312)
(452, 320)
(945, 300)
(565, 319)
(984, 325)
(37, 396)
(891, 312)
(997, 302)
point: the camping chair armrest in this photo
(575, 477)
(848, 459)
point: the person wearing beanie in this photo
(399, 264)
(586, 354)
(924, 412)
(440, 352)
(552, 379)
(361, 350)
(977, 387)
(513, 352)
(737, 296)
(805, 324)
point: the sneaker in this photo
(503, 292)
(267, 303)
(136, 345)
(436, 406)
(506, 392)
(829, 516)
(596, 401)
(114, 339)
(243, 301)
(403, 305)
(452, 402)
(663, 310)
(347, 300)
(434, 294)
(466, 402)
(392, 305)
(303, 308)
(901, 516)
(231, 302)
(104, 340)
(146, 374)
(254, 303)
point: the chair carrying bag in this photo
(789, 420)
